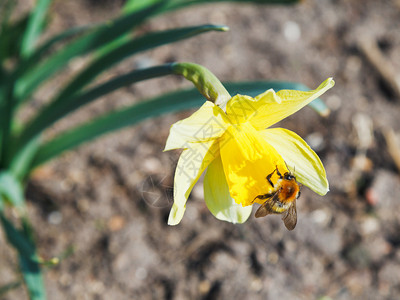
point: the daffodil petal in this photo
(241, 108)
(300, 158)
(207, 123)
(217, 197)
(191, 164)
(292, 101)
(270, 107)
(247, 160)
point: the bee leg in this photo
(270, 175)
(262, 197)
(279, 173)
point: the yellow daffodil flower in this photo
(238, 149)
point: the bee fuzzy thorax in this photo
(289, 190)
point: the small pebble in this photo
(291, 31)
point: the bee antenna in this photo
(287, 167)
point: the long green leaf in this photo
(149, 41)
(45, 47)
(132, 5)
(34, 28)
(129, 7)
(56, 110)
(33, 278)
(10, 33)
(19, 163)
(21, 240)
(174, 4)
(9, 286)
(179, 100)
(96, 38)
(8, 106)
(11, 189)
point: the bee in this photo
(282, 200)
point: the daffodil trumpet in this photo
(233, 143)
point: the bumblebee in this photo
(282, 200)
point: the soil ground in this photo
(109, 200)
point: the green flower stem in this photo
(205, 81)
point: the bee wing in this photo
(262, 211)
(265, 208)
(290, 217)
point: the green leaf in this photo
(96, 38)
(129, 7)
(149, 41)
(21, 160)
(33, 278)
(58, 109)
(21, 240)
(35, 26)
(176, 101)
(45, 47)
(176, 4)
(11, 189)
(11, 34)
(8, 106)
(171, 102)
(320, 107)
(9, 286)
(134, 5)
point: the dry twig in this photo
(373, 54)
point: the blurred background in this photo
(109, 200)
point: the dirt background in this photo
(109, 200)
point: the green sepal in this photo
(205, 81)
